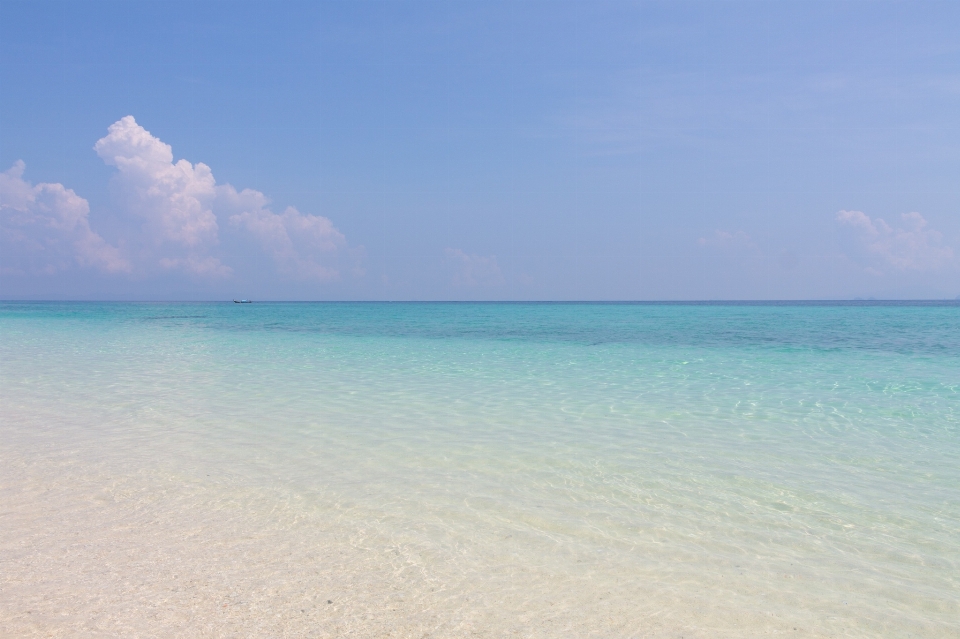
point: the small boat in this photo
(243, 301)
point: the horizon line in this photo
(471, 301)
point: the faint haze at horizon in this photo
(431, 151)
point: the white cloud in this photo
(298, 243)
(181, 209)
(45, 228)
(180, 203)
(474, 270)
(173, 198)
(914, 247)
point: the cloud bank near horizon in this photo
(913, 247)
(45, 228)
(182, 228)
(183, 216)
(473, 271)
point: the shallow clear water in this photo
(797, 460)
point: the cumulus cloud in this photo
(183, 221)
(474, 270)
(913, 247)
(180, 204)
(45, 228)
(174, 199)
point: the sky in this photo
(479, 150)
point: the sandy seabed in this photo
(85, 552)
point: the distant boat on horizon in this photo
(243, 301)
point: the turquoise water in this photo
(794, 460)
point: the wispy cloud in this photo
(298, 243)
(473, 271)
(45, 228)
(911, 247)
(726, 239)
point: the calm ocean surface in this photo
(800, 461)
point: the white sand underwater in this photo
(87, 550)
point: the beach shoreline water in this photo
(89, 552)
(414, 486)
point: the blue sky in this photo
(479, 150)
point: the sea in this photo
(480, 469)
